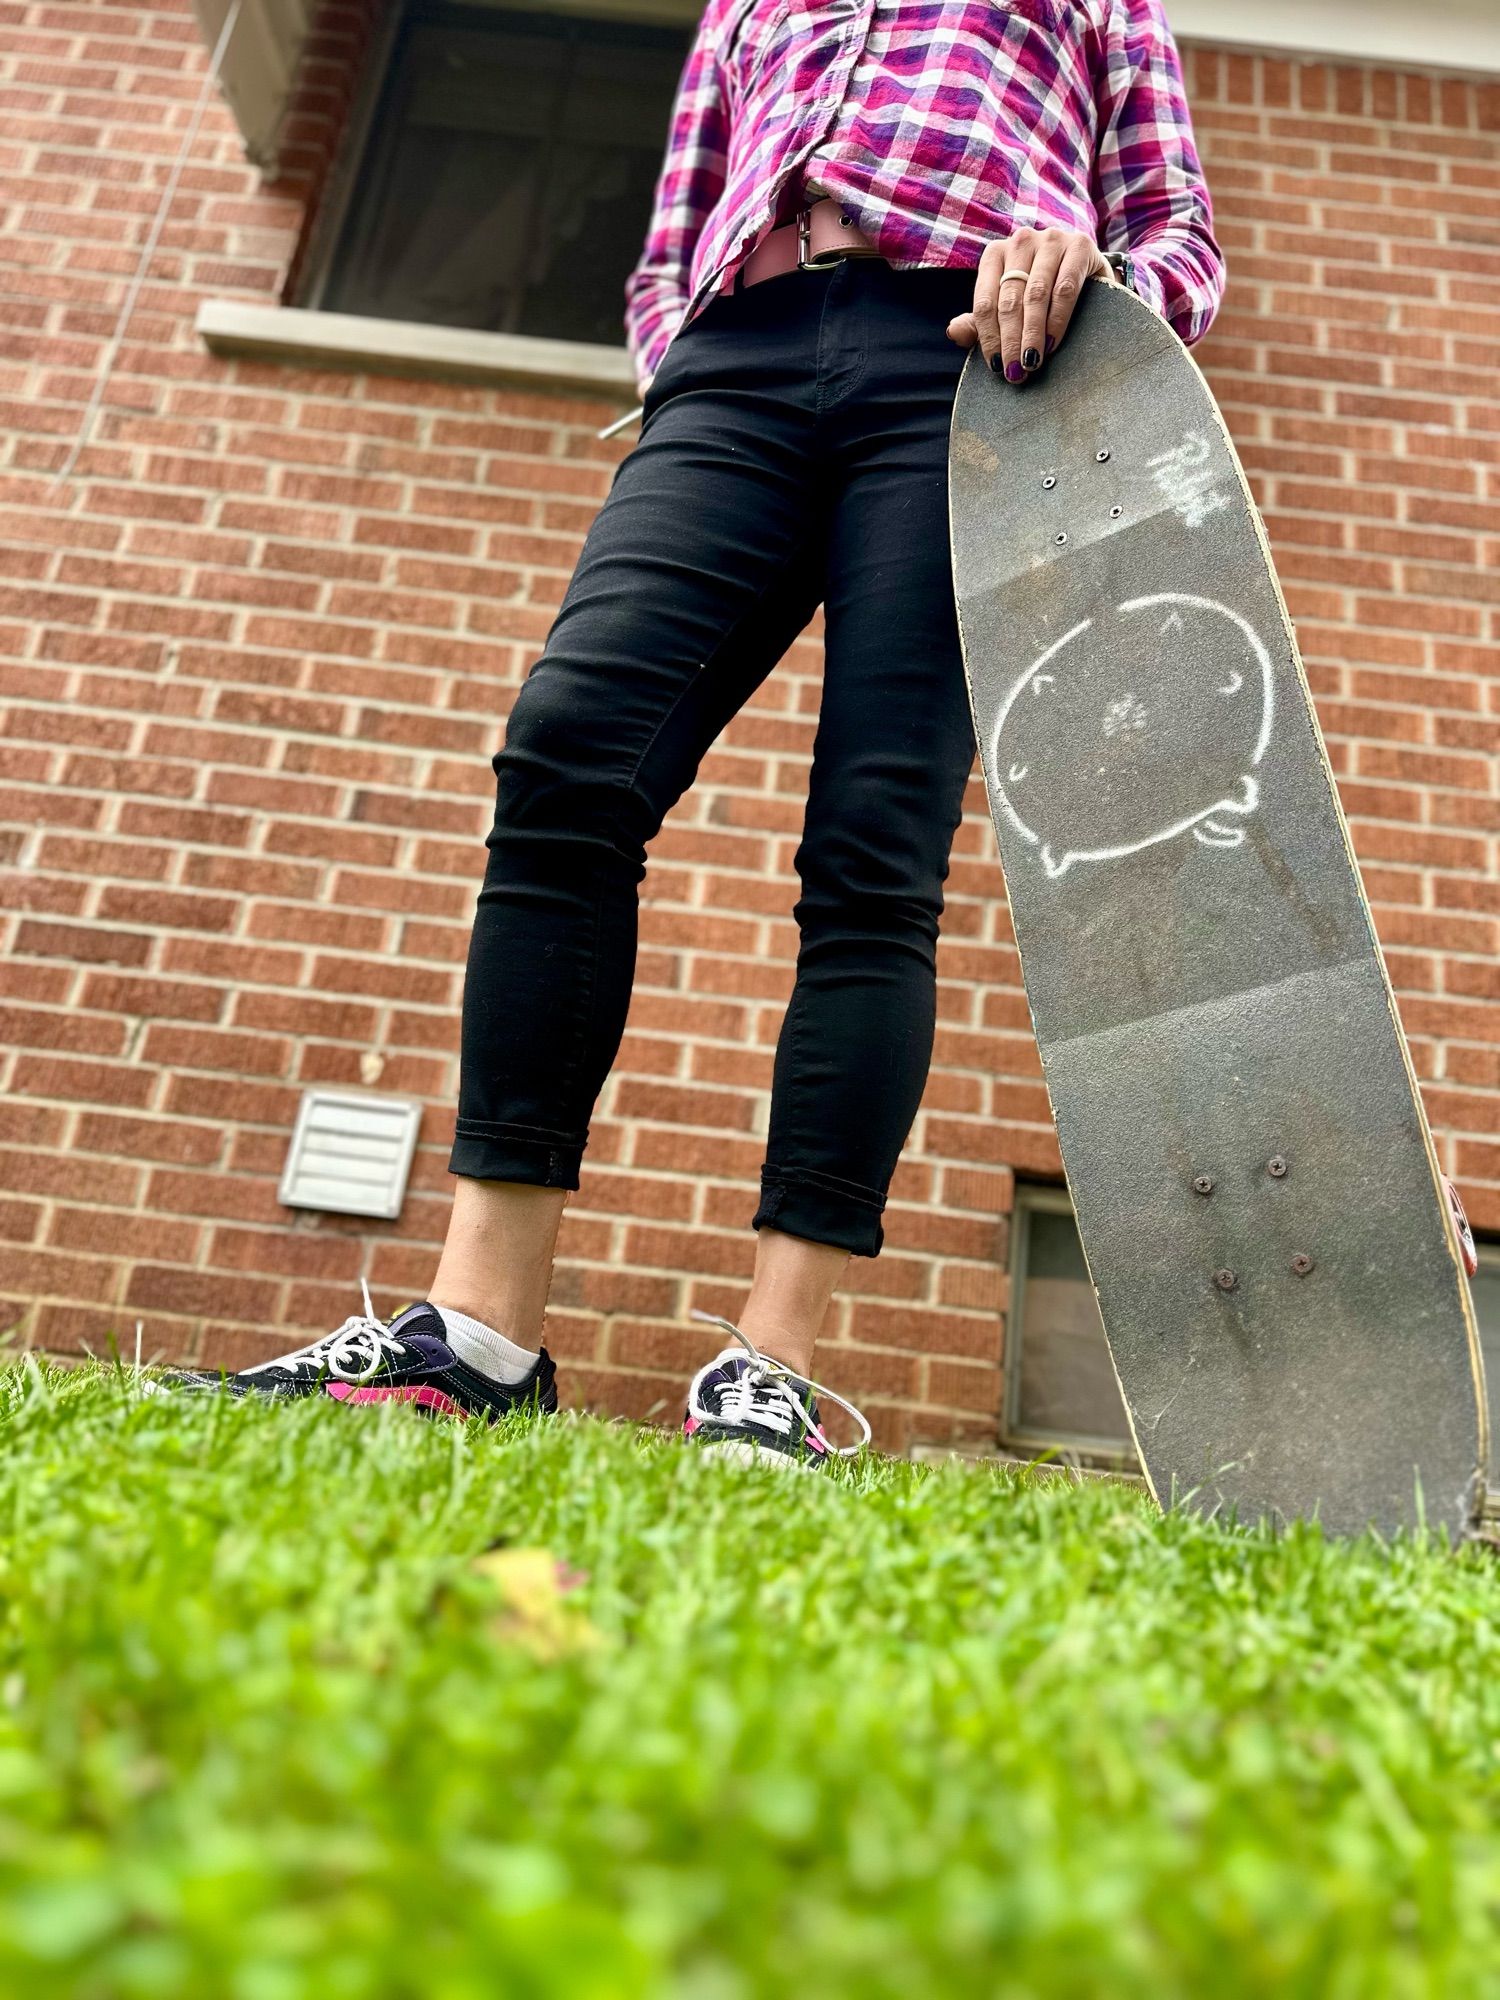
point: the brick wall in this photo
(256, 654)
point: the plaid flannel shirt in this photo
(940, 125)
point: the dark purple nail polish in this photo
(997, 364)
(1051, 343)
(1015, 372)
(1031, 359)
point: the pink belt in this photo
(822, 234)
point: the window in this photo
(1060, 1387)
(502, 174)
(1486, 1290)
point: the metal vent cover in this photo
(351, 1153)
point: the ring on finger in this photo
(1022, 275)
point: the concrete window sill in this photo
(402, 347)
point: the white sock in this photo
(482, 1348)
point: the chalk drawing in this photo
(1185, 480)
(1074, 675)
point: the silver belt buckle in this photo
(806, 261)
(804, 241)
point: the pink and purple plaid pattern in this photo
(940, 125)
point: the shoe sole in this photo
(738, 1453)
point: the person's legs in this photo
(894, 747)
(703, 565)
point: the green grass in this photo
(272, 1725)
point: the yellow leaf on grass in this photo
(535, 1612)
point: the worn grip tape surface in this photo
(1253, 1176)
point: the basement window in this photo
(500, 173)
(1486, 1291)
(1060, 1387)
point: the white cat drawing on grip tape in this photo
(1117, 732)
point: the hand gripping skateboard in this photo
(1255, 1184)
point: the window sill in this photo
(405, 347)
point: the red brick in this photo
(169, 1288)
(111, 1232)
(287, 1252)
(83, 944)
(170, 908)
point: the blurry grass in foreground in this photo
(292, 1704)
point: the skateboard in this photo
(1254, 1180)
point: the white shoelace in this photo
(764, 1394)
(353, 1352)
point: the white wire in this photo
(148, 251)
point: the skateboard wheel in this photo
(1276, 1167)
(1203, 1184)
(1225, 1280)
(1302, 1263)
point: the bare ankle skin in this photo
(496, 1264)
(790, 1294)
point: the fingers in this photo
(1020, 251)
(1079, 262)
(1036, 301)
(1018, 320)
(987, 299)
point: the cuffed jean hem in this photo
(483, 1152)
(823, 1210)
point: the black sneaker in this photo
(367, 1361)
(745, 1406)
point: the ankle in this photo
(792, 1347)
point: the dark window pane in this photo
(507, 180)
(1486, 1289)
(1062, 1386)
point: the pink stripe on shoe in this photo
(422, 1394)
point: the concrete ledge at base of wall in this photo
(404, 347)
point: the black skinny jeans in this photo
(794, 448)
